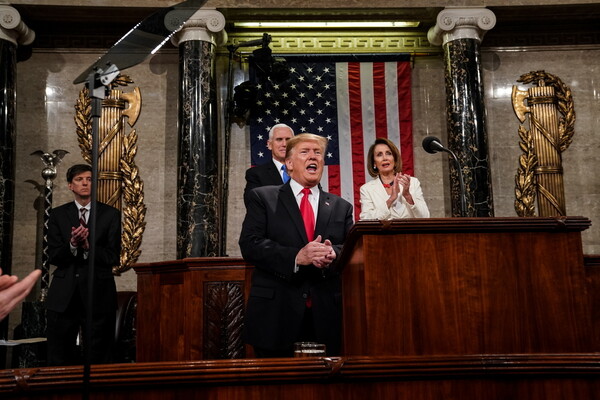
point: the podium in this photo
(459, 286)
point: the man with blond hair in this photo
(293, 235)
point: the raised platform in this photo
(490, 377)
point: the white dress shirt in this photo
(313, 198)
(278, 165)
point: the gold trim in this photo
(324, 24)
(339, 42)
(550, 135)
(549, 170)
(132, 186)
(565, 104)
(134, 213)
(525, 183)
(541, 100)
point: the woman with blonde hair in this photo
(392, 194)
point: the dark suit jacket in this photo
(72, 270)
(261, 175)
(272, 234)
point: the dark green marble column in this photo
(461, 32)
(199, 192)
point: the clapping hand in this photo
(79, 237)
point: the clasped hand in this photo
(318, 253)
(79, 237)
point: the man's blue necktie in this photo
(285, 175)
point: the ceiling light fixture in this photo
(328, 24)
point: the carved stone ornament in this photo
(461, 23)
(12, 27)
(206, 25)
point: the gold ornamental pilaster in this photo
(119, 182)
(551, 120)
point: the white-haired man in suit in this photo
(273, 172)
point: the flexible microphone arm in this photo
(432, 145)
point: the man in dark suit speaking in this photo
(274, 171)
(293, 235)
(68, 249)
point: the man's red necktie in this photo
(308, 215)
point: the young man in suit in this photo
(68, 248)
(296, 286)
(271, 173)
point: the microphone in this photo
(432, 145)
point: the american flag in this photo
(351, 100)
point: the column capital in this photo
(461, 23)
(12, 27)
(206, 25)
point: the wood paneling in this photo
(592, 274)
(498, 377)
(191, 309)
(467, 286)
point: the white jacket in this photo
(373, 197)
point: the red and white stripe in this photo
(373, 100)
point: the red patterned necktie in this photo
(308, 215)
(82, 210)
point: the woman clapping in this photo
(391, 194)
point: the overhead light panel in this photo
(328, 24)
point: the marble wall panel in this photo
(577, 68)
(45, 105)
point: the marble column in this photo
(13, 32)
(460, 31)
(199, 208)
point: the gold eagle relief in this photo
(119, 181)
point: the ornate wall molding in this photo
(206, 25)
(461, 23)
(340, 42)
(12, 27)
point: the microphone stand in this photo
(461, 181)
(97, 84)
(432, 145)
